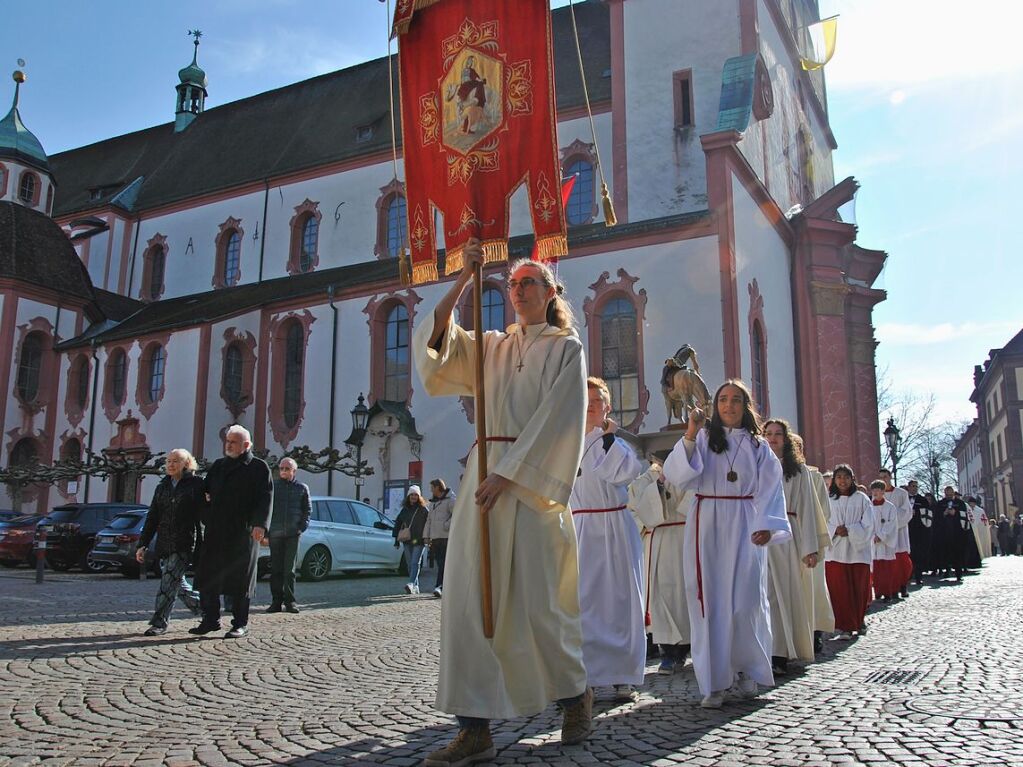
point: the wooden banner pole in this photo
(481, 452)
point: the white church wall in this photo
(761, 255)
(98, 246)
(666, 168)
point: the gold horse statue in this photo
(682, 386)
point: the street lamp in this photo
(360, 420)
(891, 438)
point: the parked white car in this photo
(344, 535)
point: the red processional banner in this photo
(478, 120)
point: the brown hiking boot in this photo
(578, 722)
(471, 745)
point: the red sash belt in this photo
(597, 511)
(650, 562)
(699, 569)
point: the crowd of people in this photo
(730, 549)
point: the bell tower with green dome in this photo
(191, 90)
(25, 176)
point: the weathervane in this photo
(196, 34)
(19, 77)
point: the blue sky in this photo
(924, 102)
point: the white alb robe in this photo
(610, 564)
(662, 509)
(535, 655)
(899, 498)
(981, 530)
(730, 619)
(886, 530)
(855, 513)
(789, 581)
(819, 596)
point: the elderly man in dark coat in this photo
(239, 491)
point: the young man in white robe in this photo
(661, 508)
(739, 509)
(900, 499)
(610, 553)
(790, 563)
(535, 378)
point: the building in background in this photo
(239, 263)
(998, 395)
(969, 462)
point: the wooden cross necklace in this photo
(518, 345)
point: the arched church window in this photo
(618, 350)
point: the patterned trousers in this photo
(172, 585)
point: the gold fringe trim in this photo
(403, 268)
(610, 219)
(493, 251)
(552, 246)
(424, 273)
(401, 27)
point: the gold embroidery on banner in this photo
(545, 203)
(429, 118)
(470, 34)
(467, 220)
(419, 229)
(519, 88)
(484, 159)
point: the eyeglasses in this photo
(525, 282)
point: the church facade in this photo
(239, 265)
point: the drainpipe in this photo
(333, 382)
(92, 410)
(134, 252)
(262, 244)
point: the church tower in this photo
(191, 90)
(24, 168)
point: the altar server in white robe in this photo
(818, 597)
(535, 382)
(662, 508)
(739, 508)
(904, 508)
(847, 562)
(610, 552)
(885, 573)
(790, 563)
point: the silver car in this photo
(344, 536)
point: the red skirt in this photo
(849, 587)
(905, 568)
(887, 575)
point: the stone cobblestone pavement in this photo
(351, 681)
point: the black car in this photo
(116, 544)
(70, 532)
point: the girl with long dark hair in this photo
(739, 508)
(847, 562)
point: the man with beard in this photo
(951, 528)
(921, 528)
(239, 493)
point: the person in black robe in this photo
(951, 526)
(1004, 537)
(971, 553)
(239, 494)
(921, 527)
(1016, 534)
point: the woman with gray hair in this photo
(173, 518)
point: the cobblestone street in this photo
(351, 681)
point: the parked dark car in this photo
(6, 515)
(17, 538)
(71, 531)
(116, 544)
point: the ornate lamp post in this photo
(891, 439)
(360, 420)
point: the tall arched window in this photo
(493, 309)
(396, 225)
(155, 373)
(619, 357)
(233, 374)
(232, 258)
(310, 238)
(118, 376)
(72, 450)
(30, 362)
(81, 382)
(396, 355)
(757, 373)
(580, 203)
(294, 352)
(27, 188)
(157, 267)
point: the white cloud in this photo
(920, 334)
(889, 44)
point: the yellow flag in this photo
(822, 38)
